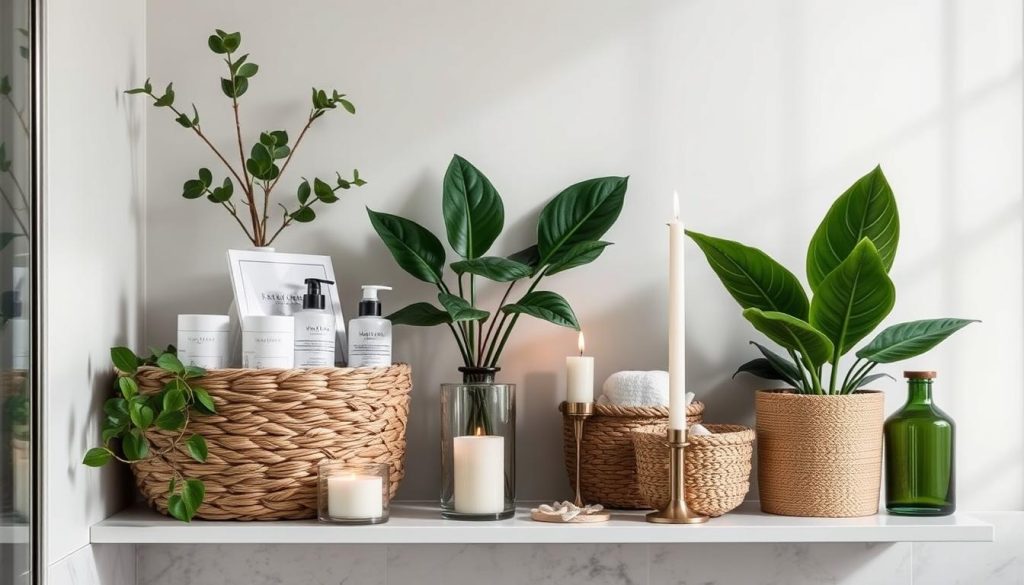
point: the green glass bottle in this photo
(920, 458)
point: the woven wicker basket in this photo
(272, 428)
(717, 467)
(608, 468)
(819, 455)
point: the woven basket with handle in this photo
(608, 468)
(717, 467)
(272, 428)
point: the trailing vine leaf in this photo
(910, 339)
(197, 449)
(97, 457)
(752, 277)
(545, 305)
(124, 360)
(866, 210)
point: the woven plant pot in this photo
(819, 455)
(272, 428)
(608, 468)
(717, 467)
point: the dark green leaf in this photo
(128, 387)
(111, 433)
(347, 105)
(247, 70)
(419, 315)
(530, 256)
(545, 305)
(8, 237)
(460, 310)
(414, 248)
(174, 399)
(193, 493)
(135, 445)
(193, 189)
(871, 378)
(241, 86)
(197, 449)
(96, 457)
(853, 299)
(5, 87)
(907, 340)
(578, 255)
(280, 137)
(581, 213)
(170, 420)
(791, 333)
(232, 41)
(204, 402)
(170, 363)
(762, 368)
(752, 277)
(167, 99)
(142, 415)
(206, 176)
(304, 191)
(216, 44)
(117, 410)
(323, 191)
(184, 121)
(222, 193)
(493, 268)
(176, 507)
(784, 366)
(303, 215)
(865, 210)
(124, 359)
(474, 214)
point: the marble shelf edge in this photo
(414, 523)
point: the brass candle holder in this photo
(676, 511)
(579, 412)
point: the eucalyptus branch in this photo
(14, 212)
(291, 153)
(18, 112)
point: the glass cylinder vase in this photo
(478, 447)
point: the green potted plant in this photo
(256, 175)
(569, 232)
(820, 440)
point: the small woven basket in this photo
(717, 467)
(608, 468)
(272, 429)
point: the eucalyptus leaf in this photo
(853, 299)
(419, 315)
(792, 333)
(412, 246)
(581, 213)
(866, 210)
(910, 339)
(752, 277)
(545, 305)
(303, 215)
(473, 212)
(303, 192)
(493, 268)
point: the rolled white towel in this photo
(697, 429)
(634, 388)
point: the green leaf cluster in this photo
(569, 232)
(245, 193)
(848, 263)
(130, 414)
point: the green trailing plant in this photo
(848, 261)
(569, 232)
(130, 414)
(257, 174)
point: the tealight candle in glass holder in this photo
(353, 493)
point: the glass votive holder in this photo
(353, 493)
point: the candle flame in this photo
(675, 204)
(581, 343)
(478, 432)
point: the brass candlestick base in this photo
(579, 412)
(676, 511)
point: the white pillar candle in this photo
(355, 496)
(676, 322)
(579, 376)
(479, 474)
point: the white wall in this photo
(759, 113)
(95, 177)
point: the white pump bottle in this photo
(369, 334)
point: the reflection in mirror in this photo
(15, 249)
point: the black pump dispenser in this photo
(369, 306)
(314, 299)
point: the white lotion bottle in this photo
(369, 334)
(314, 328)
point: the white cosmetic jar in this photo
(204, 340)
(268, 341)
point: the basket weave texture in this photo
(272, 428)
(608, 468)
(717, 467)
(819, 455)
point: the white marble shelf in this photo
(413, 523)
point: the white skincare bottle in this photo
(314, 328)
(369, 334)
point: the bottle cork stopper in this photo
(921, 375)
